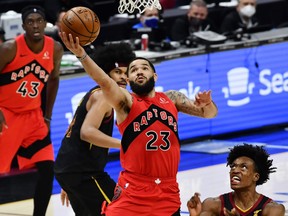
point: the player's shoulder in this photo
(9, 45)
(274, 209)
(212, 204)
(8, 50)
(97, 95)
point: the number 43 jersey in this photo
(22, 80)
(150, 142)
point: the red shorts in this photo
(27, 136)
(145, 196)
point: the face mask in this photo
(195, 22)
(151, 22)
(248, 11)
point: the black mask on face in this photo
(143, 90)
(195, 22)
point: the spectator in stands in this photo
(195, 20)
(148, 19)
(240, 19)
(2, 35)
(151, 23)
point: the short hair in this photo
(32, 9)
(113, 55)
(149, 62)
(259, 155)
(198, 3)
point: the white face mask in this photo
(248, 10)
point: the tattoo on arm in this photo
(183, 103)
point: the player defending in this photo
(82, 157)
(249, 167)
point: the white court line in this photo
(277, 146)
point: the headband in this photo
(32, 9)
(116, 65)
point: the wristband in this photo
(82, 58)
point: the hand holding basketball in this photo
(81, 22)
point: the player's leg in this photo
(9, 143)
(94, 191)
(103, 186)
(69, 183)
(43, 189)
(37, 151)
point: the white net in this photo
(140, 5)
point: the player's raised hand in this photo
(203, 99)
(194, 205)
(73, 46)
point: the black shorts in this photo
(87, 192)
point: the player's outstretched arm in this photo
(112, 92)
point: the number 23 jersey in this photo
(150, 142)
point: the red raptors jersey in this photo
(22, 80)
(150, 143)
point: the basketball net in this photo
(140, 5)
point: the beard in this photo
(144, 89)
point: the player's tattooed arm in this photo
(207, 109)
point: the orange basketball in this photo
(81, 22)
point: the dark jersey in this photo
(150, 142)
(256, 210)
(76, 155)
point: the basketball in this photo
(81, 22)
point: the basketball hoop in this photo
(140, 5)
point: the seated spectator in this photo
(240, 19)
(151, 23)
(196, 20)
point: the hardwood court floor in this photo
(202, 172)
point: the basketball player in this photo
(80, 163)
(28, 63)
(150, 147)
(249, 167)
